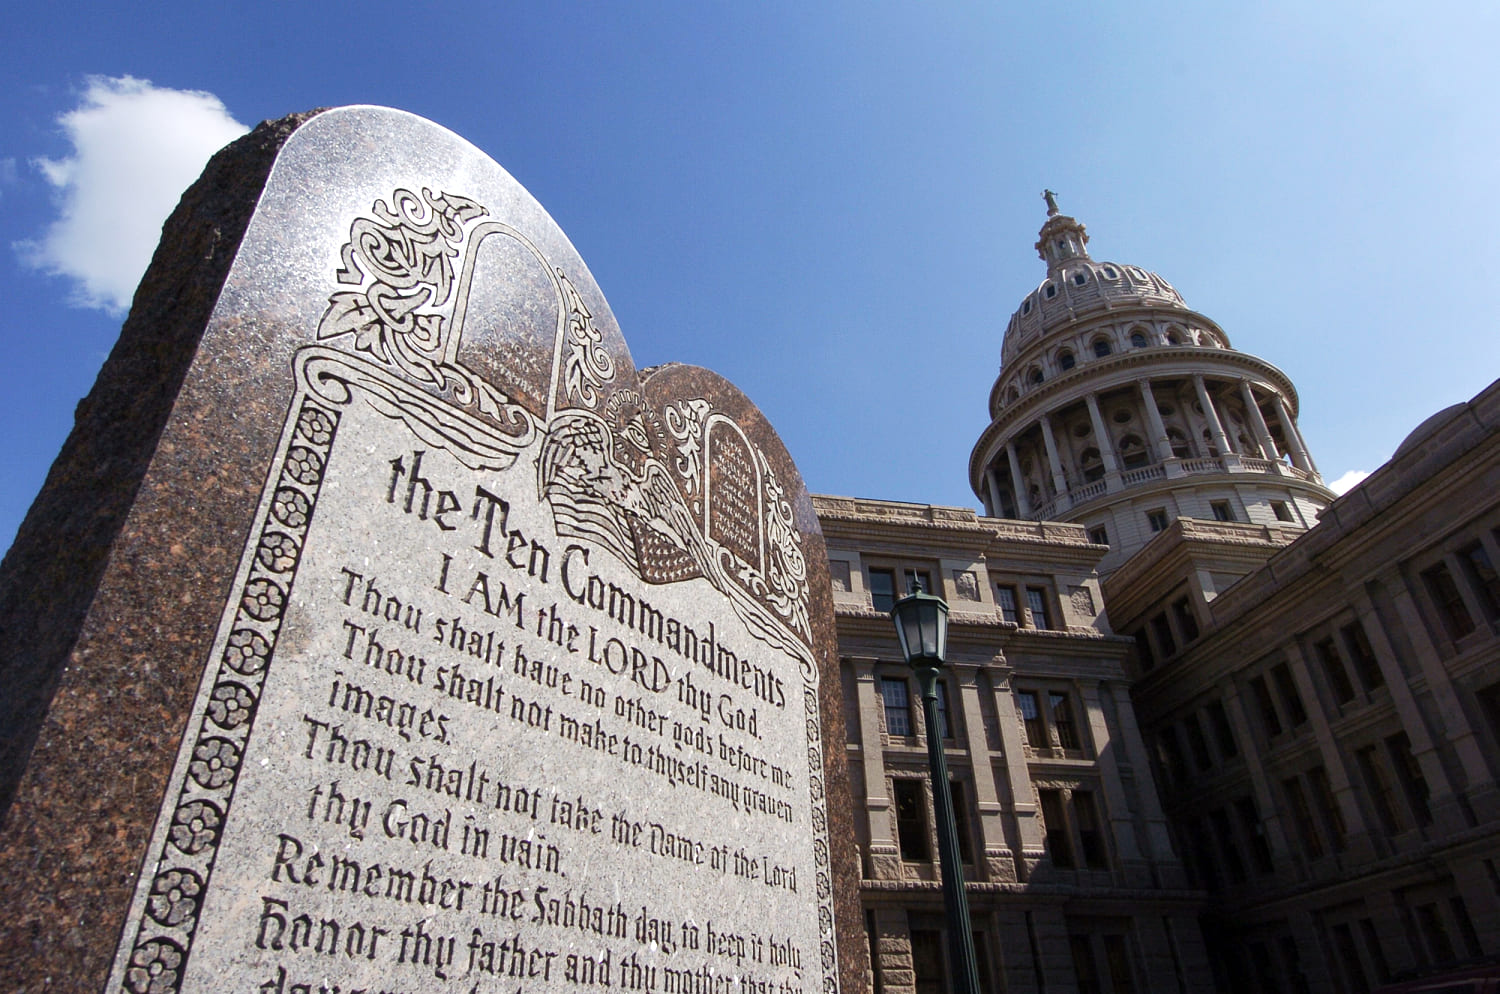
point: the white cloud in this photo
(1348, 481)
(136, 148)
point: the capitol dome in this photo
(1114, 395)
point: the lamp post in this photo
(922, 627)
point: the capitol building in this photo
(1209, 726)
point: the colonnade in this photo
(1158, 443)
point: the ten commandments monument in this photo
(382, 628)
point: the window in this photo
(1286, 689)
(1171, 753)
(1137, 340)
(927, 961)
(882, 589)
(1090, 832)
(1198, 743)
(1187, 622)
(917, 579)
(1066, 360)
(1449, 601)
(1179, 443)
(1049, 291)
(1133, 454)
(1102, 348)
(1059, 844)
(1099, 535)
(1110, 273)
(1229, 851)
(1031, 718)
(1162, 629)
(1354, 971)
(1218, 720)
(897, 699)
(945, 728)
(1222, 510)
(1378, 785)
(1035, 376)
(1270, 721)
(911, 820)
(1482, 576)
(1157, 519)
(1333, 669)
(1333, 818)
(1365, 664)
(1260, 849)
(1005, 599)
(1093, 466)
(1080, 277)
(1281, 510)
(1409, 772)
(1036, 600)
(1307, 828)
(1061, 710)
(961, 821)
(1143, 648)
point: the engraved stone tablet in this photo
(441, 649)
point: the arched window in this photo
(1133, 454)
(1110, 273)
(1180, 447)
(1049, 290)
(1137, 339)
(1173, 338)
(1012, 395)
(1093, 465)
(1066, 359)
(1208, 443)
(1102, 347)
(1026, 306)
(1035, 376)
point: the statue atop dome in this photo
(1051, 199)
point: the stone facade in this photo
(1064, 842)
(1271, 764)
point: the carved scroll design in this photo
(165, 931)
(587, 365)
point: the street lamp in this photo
(922, 626)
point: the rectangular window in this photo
(1099, 535)
(1270, 721)
(1379, 787)
(1187, 622)
(1260, 849)
(1439, 945)
(1282, 512)
(1482, 576)
(961, 821)
(1222, 510)
(1286, 689)
(1366, 666)
(1376, 949)
(882, 589)
(1450, 603)
(1031, 717)
(1409, 772)
(1354, 971)
(1333, 670)
(927, 961)
(1157, 519)
(1005, 598)
(1062, 720)
(945, 727)
(911, 820)
(1328, 807)
(1121, 976)
(1036, 600)
(1307, 828)
(893, 692)
(917, 579)
(1090, 831)
(1218, 720)
(1197, 742)
(1162, 629)
(1083, 963)
(1228, 849)
(1171, 753)
(1143, 649)
(1059, 845)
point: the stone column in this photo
(1157, 845)
(1106, 444)
(1059, 481)
(1018, 780)
(1450, 717)
(1017, 484)
(1300, 458)
(884, 858)
(1270, 816)
(1135, 868)
(1258, 422)
(991, 848)
(992, 504)
(1212, 416)
(1159, 440)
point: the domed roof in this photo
(1076, 285)
(1430, 427)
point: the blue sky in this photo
(833, 205)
